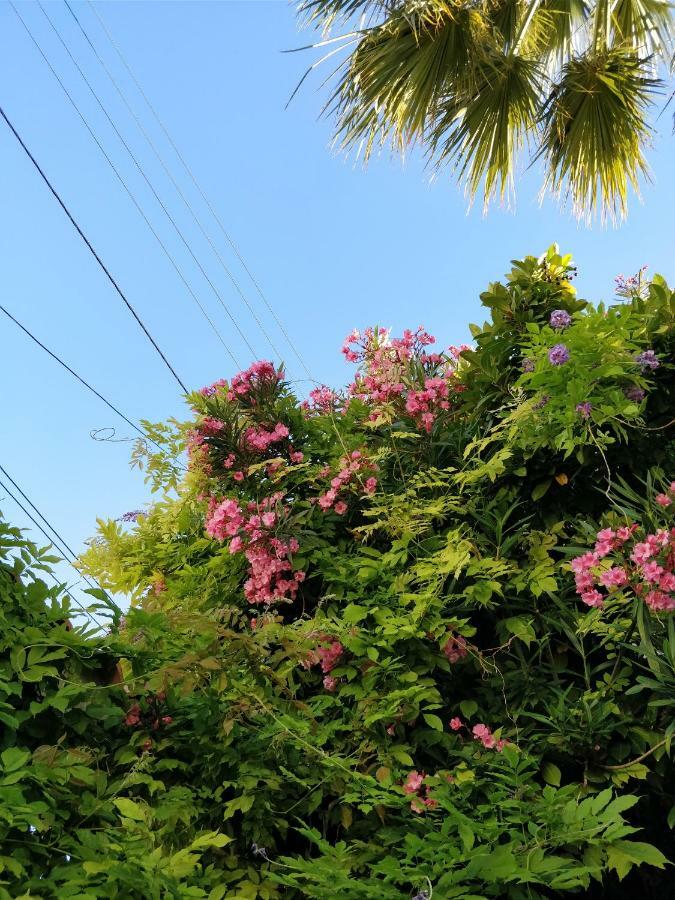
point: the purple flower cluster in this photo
(647, 360)
(560, 319)
(634, 393)
(540, 404)
(131, 516)
(584, 409)
(558, 355)
(527, 365)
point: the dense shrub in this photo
(411, 637)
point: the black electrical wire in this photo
(173, 181)
(126, 187)
(200, 190)
(93, 390)
(32, 518)
(149, 183)
(91, 248)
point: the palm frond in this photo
(645, 24)
(482, 137)
(595, 129)
(326, 13)
(399, 74)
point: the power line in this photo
(124, 185)
(61, 540)
(91, 248)
(148, 182)
(201, 192)
(173, 181)
(50, 539)
(93, 390)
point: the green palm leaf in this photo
(595, 129)
(476, 81)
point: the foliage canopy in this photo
(413, 637)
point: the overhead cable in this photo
(90, 247)
(141, 171)
(49, 538)
(201, 192)
(93, 390)
(124, 185)
(173, 181)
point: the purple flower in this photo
(540, 404)
(527, 365)
(584, 409)
(560, 319)
(131, 516)
(634, 393)
(558, 355)
(647, 360)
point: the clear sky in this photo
(332, 245)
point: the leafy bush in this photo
(374, 649)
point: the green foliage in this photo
(426, 704)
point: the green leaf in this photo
(623, 855)
(129, 809)
(14, 759)
(433, 721)
(468, 707)
(353, 613)
(540, 489)
(210, 839)
(551, 774)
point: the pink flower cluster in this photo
(414, 784)
(423, 405)
(211, 389)
(259, 438)
(480, 732)
(328, 657)
(352, 468)
(455, 648)
(271, 575)
(261, 374)
(321, 399)
(645, 567)
(388, 373)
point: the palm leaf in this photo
(399, 74)
(595, 129)
(483, 137)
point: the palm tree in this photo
(475, 81)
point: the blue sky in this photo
(333, 245)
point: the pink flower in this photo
(330, 683)
(269, 518)
(583, 563)
(413, 782)
(659, 601)
(296, 456)
(340, 507)
(642, 552)
(370, 485)
(614, 577)
(455, 648)
(236, 545)
(329, 656)
(483, 734)
(238, 476)
(592, 598)
(652, 572)
(456, 723)
(663, 500)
